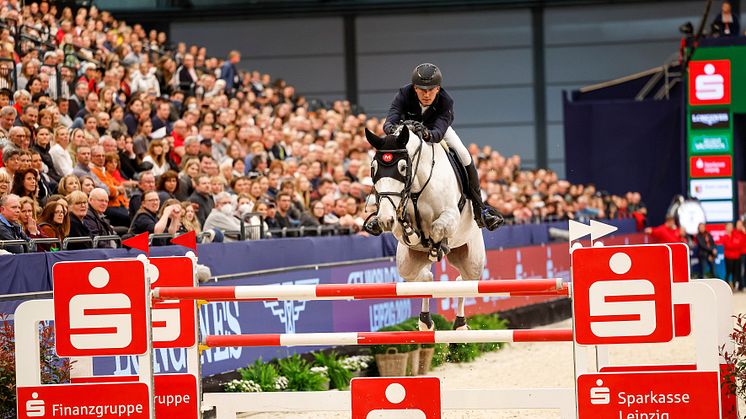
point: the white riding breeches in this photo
(454, 142)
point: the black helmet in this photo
(426, 76)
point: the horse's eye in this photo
(402, 166)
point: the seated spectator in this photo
(203, 198)
(188, 177)
(314, 216)
(11, 160)
(43, 146)
(27, 219)
(141, 140)
(144, 185)
(282, 216)
(82, 168)
(117, 211)
(221, 217)
(45, 183)
(98, 201)
(68, 184)
(726, 22)
(168, 186)
(170, 218)
(61, 159)
(5, 181)
(157, 157)
(189, 220)
(87, 184)
(77, 202)
(146, 217)
(54, 220)
(25, 184)
(10, 213)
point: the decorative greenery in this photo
(734, 381)
(54, 370)
(339, 376)
(242, 386)
(263, 374)
(299, 375)
(356, 363)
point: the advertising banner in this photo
(710, 166)
(704, 189)
(710, 143)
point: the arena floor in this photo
(535, 365)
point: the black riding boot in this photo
(484, 215)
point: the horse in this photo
(413, 180)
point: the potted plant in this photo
(357, 364)
(262, 374)
(339, 376)
(299, 375)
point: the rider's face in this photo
(427, 97)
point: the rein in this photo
(406, 193)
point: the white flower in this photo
(323, 371)
(281, 383)
(242, 386)
(356, 363)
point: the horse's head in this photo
(391, 171)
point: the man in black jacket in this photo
(10, 212)
(426, 103)
(706, 251)
(94, 219)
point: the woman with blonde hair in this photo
(157, 157)
(68, 184)
(77, 202)
(29, 211)
(189, 220)
(5, 182)
(187, 176)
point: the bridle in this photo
(387, 166)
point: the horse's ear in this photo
(373, 139)
(403, 137)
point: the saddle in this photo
(460, 171)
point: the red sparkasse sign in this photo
(173, 321)
(710, 166)
(85, 401)
(100, 308)
(607, 279)
(709, 82)
(670, 394)
(395, 397)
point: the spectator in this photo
(141, 140)
(726, 23)
(27, 219)
(117, 211)
(83, 166)
(19, 138)
(54, 221)
(7, 118)
(202, 198)
(188, 177)
(25, 184)
(98, 201)
(314, 216)
(222, 216)
(45, 184)
(733, 244)
(282, 219)
(161, 119)
(87, 184)
(667, 232)
(706, 251)
(229, 72)
(77, 202)
(10, 213)
(187, 75)
(42, 145)
(145, 184)
(61, 159)
(5, 181)
(189, 221)
(68, 184)
(11, 160)
(169, 218)
(146, 216)
(168, 186)
(157, 157)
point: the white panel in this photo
(407, 33)
(718, 211)
(613, 23)
(460, 68)
(711, 188)
(262, 38)
(592, 64)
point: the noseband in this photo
(388, 167)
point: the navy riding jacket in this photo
(436, 118)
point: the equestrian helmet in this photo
(426, 76)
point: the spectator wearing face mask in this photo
(221, 217)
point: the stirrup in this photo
(491, 218)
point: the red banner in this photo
(710, 166)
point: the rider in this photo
(427, 103)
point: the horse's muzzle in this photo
(386, 222)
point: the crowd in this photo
(108, 129)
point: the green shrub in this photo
(263, 374)
(299, 375)
(339, 376)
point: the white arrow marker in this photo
(599, 229)
(596, 230)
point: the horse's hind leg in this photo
(415, 266)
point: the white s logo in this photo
(109, 331)
(637, 318)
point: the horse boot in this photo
(372, 226)
(484, 215)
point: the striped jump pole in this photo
(393, 290)
(387, 338)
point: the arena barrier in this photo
(621, 295)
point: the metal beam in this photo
(540, 85)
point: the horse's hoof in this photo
(460, 324)
(425, 323)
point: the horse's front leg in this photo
(444, 227)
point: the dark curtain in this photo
(627, 145)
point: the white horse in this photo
(418, 201)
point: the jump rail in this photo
(506, 288)
(387, 338)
